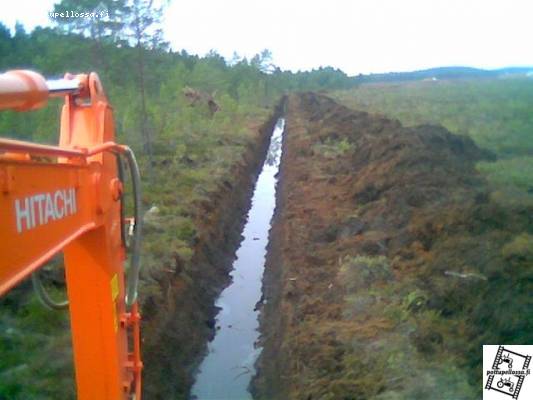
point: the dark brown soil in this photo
(179, 316)
(385, 253)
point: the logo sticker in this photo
(507, 372)
(43, 208)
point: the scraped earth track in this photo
(384, 249)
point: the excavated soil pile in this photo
(389, 263)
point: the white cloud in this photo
(359, 36)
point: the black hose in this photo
(120, 169)
(43, 295)
(132, 273)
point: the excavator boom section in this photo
(68, 198)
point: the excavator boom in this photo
(69, 198)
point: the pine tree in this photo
(101, 20)
(144, 32)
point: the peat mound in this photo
(389, 263)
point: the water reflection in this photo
(226, 371)
(274, 150)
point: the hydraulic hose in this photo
(132, 272)
(43, 295)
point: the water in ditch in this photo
(226, 371)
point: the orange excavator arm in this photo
(69, 198)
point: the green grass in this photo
(36, 354)
(332, 148)
(195, 160)
(517, 171)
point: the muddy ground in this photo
(178, 318)
(390, 263)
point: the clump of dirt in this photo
(389, 264)
(178, 303)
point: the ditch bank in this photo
(179, 316)
(390, 262)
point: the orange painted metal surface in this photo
(22, 90)
(70, 202)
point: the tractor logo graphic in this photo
(506, 382)
(508, 372)
(506, 358)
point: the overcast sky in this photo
(358, 36)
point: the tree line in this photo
(142, 75)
